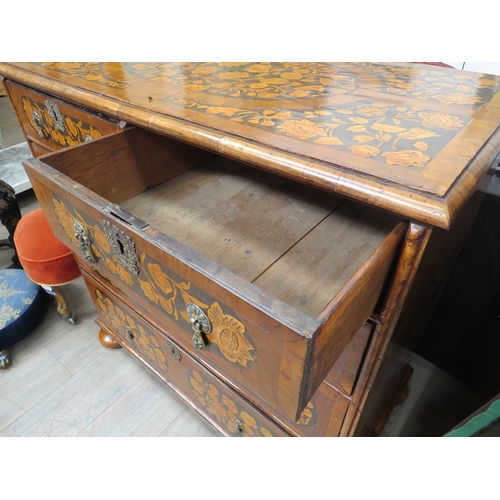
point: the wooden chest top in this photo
(409, 138)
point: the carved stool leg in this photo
(108, 341)
(62, 304)
(5, 360)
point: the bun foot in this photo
(108, 341)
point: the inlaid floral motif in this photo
(134, 332)
(396, 135)
(309, 416)
(90, 71)
(50, 124)
(432, 83)
(250, 80)
(171, 294)
(225, 411)
(229, 335)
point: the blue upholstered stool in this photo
(22, 306)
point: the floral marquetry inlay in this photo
(90, 71)
(396, 135)
(134, 332)
(434, 84)
(224, 410)
(250, 80)
(165, 289)
(50, 124)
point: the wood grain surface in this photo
(409, 138)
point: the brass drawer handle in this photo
(84, 243)
(200, 323)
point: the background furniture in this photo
(46, 260)
(294, 347)
(9, 217)
(22, 305)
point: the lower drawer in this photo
(221, 405)
(213, 399)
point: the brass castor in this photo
(5, 360)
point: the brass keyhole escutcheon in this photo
(174, 351)
(129, 332)
(239, 426)
(200, 323)
(122, 246)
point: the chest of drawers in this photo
(255, 248)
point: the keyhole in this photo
(120, 244)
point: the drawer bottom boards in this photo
(222, 406)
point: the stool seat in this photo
(22, 306)
(46, 260)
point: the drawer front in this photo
(259, 345)
(52, 122)
(257, 354)
(227, 411)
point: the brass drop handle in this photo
(84, 242)
(200, 323)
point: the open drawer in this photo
(263, 280)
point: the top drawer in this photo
(280, 276)
(54, 123)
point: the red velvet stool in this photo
(46, 260)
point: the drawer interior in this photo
(295, 242)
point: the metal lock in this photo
(129, 332)
(122, 246)
(84, 243)
(200, 323)
(239, 426)
(174, 351)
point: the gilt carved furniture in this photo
(257, 233)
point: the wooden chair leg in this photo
(62, 304)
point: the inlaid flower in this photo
(65, 218)
(458, 98)
(406, 158)
(365, 151)
(160, 278)
(371, 112)
(441, 120)
(229, 336)
(303, 129)
(417, 133)
(385, 127)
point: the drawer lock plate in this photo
(200, 323)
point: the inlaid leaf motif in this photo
(149, 291)
(365, 151)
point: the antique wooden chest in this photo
(250, 232)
